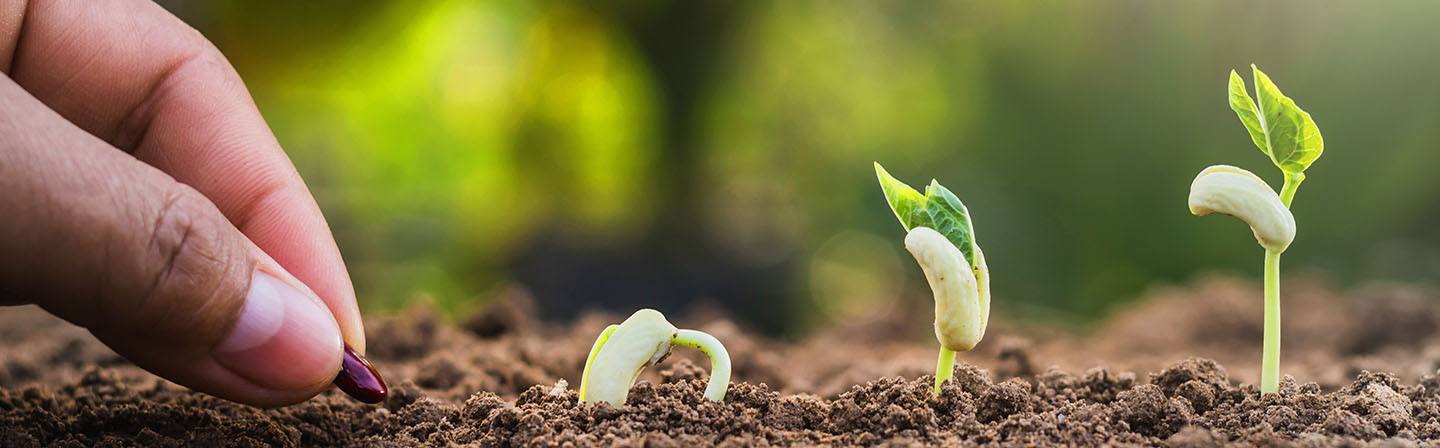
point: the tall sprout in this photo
(1292, 141)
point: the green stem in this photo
(719, 360)
(944, 368)
(1292, 182)
(1270, 361)
(1270, 357)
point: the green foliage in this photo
(1278, 127)
(1245, 107)
(938, 209)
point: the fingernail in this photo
(283, 340)
(359, 379)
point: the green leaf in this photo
(1245, 108)
(938, 209)
(951, 218)
(908, 204)
(1290, 133)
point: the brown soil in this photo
(499, 379)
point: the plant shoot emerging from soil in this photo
(942, 240)
(1292, 141)
(622, 351)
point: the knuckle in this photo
(188, 259)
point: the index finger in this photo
(136, 76)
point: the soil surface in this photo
(1366, 362)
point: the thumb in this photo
(151, 267)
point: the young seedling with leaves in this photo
(1289, 136)
(622, 351)
(942, 240)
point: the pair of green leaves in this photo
(1282, 131)
(938, 209)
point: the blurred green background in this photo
(648, 153)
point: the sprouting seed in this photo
(1292, 141)
(942, 240)
(622, 351)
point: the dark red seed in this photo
(359, 379)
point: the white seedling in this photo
(943, 241)
(644, 339)
(1292, 141)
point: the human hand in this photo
(143, 197)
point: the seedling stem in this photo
(1270, 364)
(719, 360)
(1292, 183)
(944, 368)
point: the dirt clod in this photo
(1005, 399)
